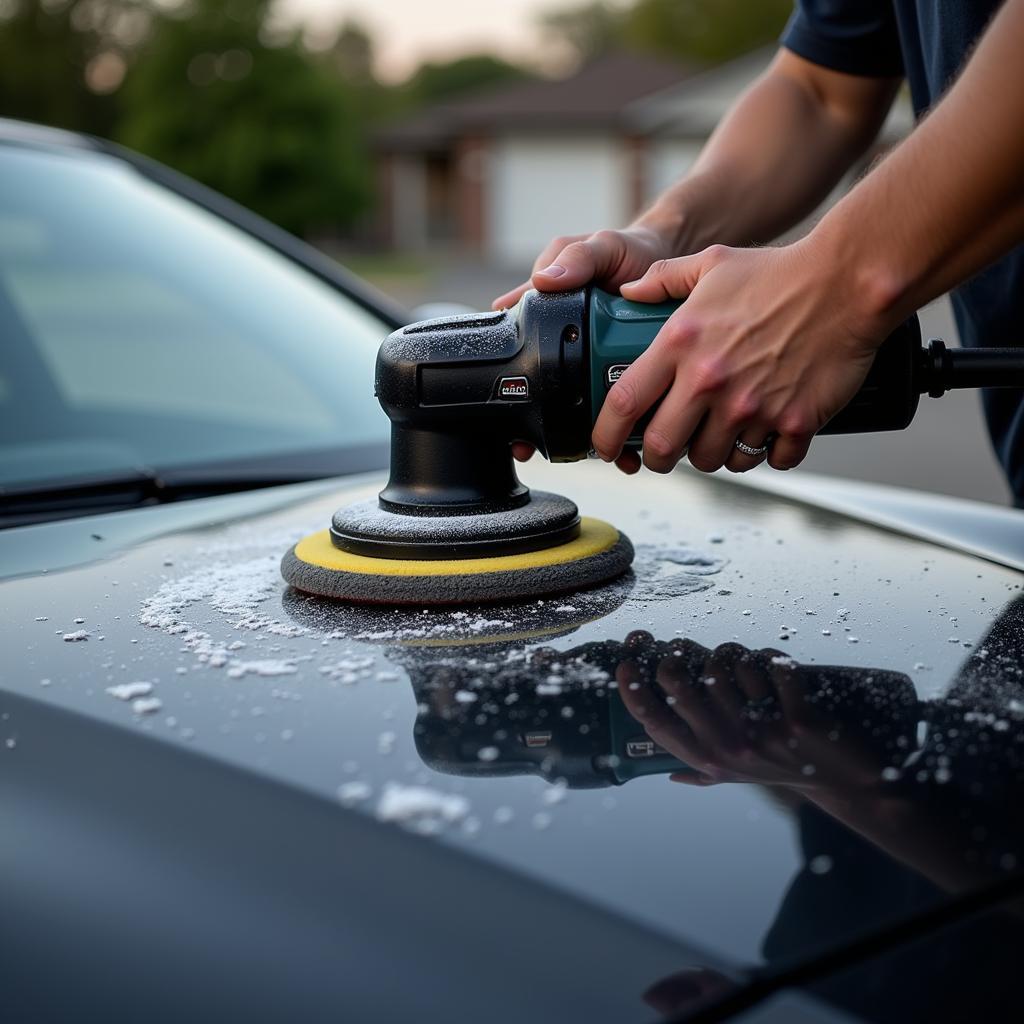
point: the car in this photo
(770, 775)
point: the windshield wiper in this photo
(22, 505)
(43, 500)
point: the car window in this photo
(138, 329)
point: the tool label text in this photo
(514, 389)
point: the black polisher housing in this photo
(458, 391)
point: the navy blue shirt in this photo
(928, 42)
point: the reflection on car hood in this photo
(884, 683)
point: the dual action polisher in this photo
(454, 523)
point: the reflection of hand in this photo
(687, 990)
(736, 715)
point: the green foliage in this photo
(434, 81)
(264, 123)
(590, 29)
(351, 53)
(702, 31)
(202, 86)
(705, 30)
(48, 48)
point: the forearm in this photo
(911, 831)
(774, 157)
(950, 199)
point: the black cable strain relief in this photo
(937, 368)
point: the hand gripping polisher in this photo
(455, 524)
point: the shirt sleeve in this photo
(858, 37)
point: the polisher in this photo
(455, 524)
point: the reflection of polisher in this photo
(559, 714)
(488, 705)
(411, 635)
(531, 719)
(454, 524)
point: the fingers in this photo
(690, 702)
(509, 299)
(628, 461)
(715, 443)
(630, 397)
(640, 700)
(672, 279)
(694, 777)
(668, 434)
(583, 260)
(720, 682)
(787, 681)
(752, 679)
(789, 450)
(547, 256)
(721, 370)
(688, 989)
(657, 719)
(715, 447)
(740, 461)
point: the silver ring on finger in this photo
(754, 453)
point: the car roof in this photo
(37, 134)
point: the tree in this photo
(61, 61)
(708, 31)
(434, 81)
(698, 31)
(352, 53)
(588, 30)
(265, 123)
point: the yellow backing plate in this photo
(595, 536)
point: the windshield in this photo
(139, 330)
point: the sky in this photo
(406, 31)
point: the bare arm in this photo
(781, 149)
(785, 144)
(772, 343)
(950, 199)
(923, 833)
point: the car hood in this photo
(539, 738)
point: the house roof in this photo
(598, 97)
(692, 108)
(626, 93)
(695, 106)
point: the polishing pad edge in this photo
(595, 536)
(600, 554)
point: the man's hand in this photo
(606, 257)
(745, 188)
(769, 345)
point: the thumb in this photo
(693, 777)
(582, 261)
(668, 279)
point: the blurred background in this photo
(435, 148)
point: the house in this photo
(497, 175)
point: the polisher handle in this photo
(620, 331)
